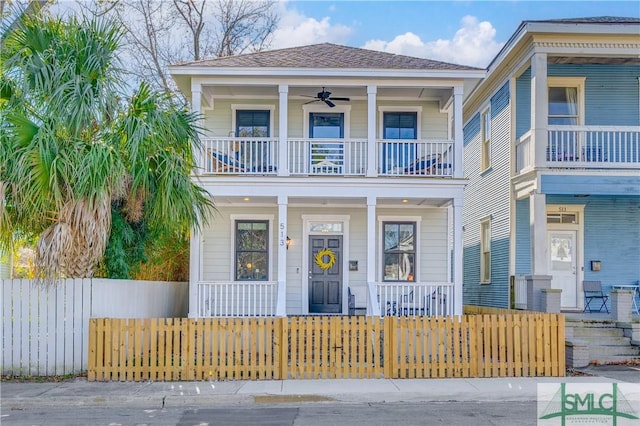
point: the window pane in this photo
(252, 250)
(391, 237)
(400, 125)
(252, 123)
(326, 125)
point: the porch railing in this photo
(325, 157)
(412, 299)
(237, 299)
(415, 157)
(602, 147)
(234, 155)
(346, 157)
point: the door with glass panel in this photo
(563, 251)
(328, 154)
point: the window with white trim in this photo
(485, 251)
(252, 250)
(399, 251)
(485, 132)
(565, 99)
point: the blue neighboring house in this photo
(552, 155)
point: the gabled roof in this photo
(327, 55)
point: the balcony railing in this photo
(237, 299)
(412, 299)
(603, 147)
(326, 157)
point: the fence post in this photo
(282, 348)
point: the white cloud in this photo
(296, 29)
(473, 44)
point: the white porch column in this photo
(457, 255)
(457, 132)
(195, 241)
(281, 306)
(283, 163)
(539, 108)
(195, 274)
(372, 302)
(196, 107)
(538, 234)
(372, 166)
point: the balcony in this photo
(325, 157)
(585, 147)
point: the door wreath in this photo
(320, 259)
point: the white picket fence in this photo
(45, 329)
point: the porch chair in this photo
(222, 163)
(411, 306)
(427, 166)
(593, 291)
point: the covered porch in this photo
(375, 249)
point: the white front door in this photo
(563, 251)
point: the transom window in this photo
(252, 252)
(399, 251)
(562, 218)
(485, 251)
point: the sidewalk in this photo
(79, 392)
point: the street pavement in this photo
(16, 395)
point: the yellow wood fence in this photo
(317, 347)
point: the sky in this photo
(462, 32)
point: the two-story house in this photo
(338, 181)
(552, 155)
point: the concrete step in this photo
(629, 351)
(604, 340)
(590, 323)
(580, 332)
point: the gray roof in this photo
(594, 20)
(327, 55)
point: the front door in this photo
(325, 275)
(562, 247)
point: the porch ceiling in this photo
(333, 201)
(305, 92)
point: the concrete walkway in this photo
(154, 394)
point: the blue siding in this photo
(612, 97)
(590, 184)
(611, 235)
(500, 100)
(494, 294)
(523, 103)
(523, 238)
(471, 129)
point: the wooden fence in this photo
(318, 347)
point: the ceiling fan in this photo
(325, 97)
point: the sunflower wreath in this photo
(320, 256)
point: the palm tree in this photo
(71, 145)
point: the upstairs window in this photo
(565, 100)
(485, 125)
(400, 125)
(254, 124)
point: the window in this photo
(565, 100)
(252, 123)
(486, 138)
(252, 254)
(399, 251)
(485, 251)
(399, 125)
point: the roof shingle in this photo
(327, 55)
